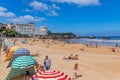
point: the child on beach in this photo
(75, 68)
(39, 67)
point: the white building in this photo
(30, 29)
(41, 31)
(9, 26)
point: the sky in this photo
(84, 17)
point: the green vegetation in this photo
(8, 32)
(60, 35)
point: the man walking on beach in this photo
(47, 63)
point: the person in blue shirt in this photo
(47, 63)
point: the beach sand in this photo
(94, 63)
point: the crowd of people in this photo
(47, 63)
(47, 66)
(39, 67)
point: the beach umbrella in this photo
(22, 51)
(11, 52)
(50, 75)
(23, 62)
(17, 53)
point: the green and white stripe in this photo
(23, 62)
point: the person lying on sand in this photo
(71, 58)
(36, 54)
(82, 49)
(75, 57)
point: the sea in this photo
(112, 41)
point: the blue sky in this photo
(86, 17)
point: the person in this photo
(1, 45)
(14, 41)
(27, 73)
(75, 69)
(113, 49)
(116, 45)
(71, 57)
(68, 58)
(47, 63)
(75, 57)
(39, 67)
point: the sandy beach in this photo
(94, 63)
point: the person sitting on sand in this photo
(39, 67)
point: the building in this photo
(30, 29)
(2, 25)
(41, 31)
(9, 26)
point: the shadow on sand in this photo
(79, 76)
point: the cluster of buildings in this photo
(7, 26)
(27, 29)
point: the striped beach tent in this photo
(23, 62)
(16, 72)
(50, 75)
(11, 52)
(19, 65)
(17, 53)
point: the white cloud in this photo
(79, 2)
(39, 5)
(54, 6)
(26, 19)
(10, 14)
(49, 10)
(52, 13)
(26, 10)
(4, 13)
(2, 8)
